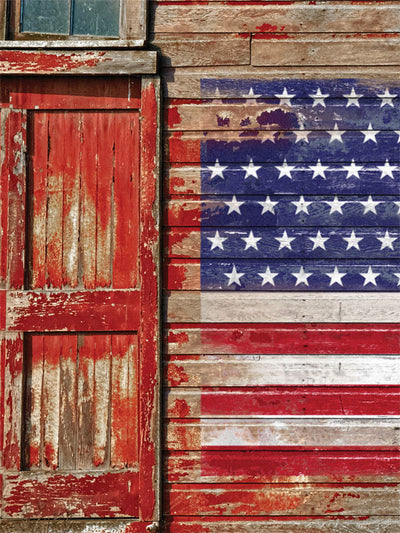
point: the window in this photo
(70, 17)
(55, 20)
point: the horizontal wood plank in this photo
(336, 17)
(268, 50)
(264, 500)
(252, 402)
(282, 338)
(327, 524)
(73, 311)
(322, 433)
(77, 62)
(283, 307)
(180, 50)
(27, 495)
(188, 82)
(264, 370)
(281, 466)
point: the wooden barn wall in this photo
(222, 372)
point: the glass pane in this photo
(96, 17)
(45, 16)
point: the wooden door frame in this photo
(110, 63)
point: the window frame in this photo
(132, 30)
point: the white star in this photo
(387, 241)
(217, 170)
(301, 134)
(301, 206)
(217, 93)
(251, 94)
(301, 276)
(251, 170)
(234, 276)
(353, 170)
(398, 275)
(251, 241)
(268, 276)
(284, 241)
(387, 169)
(268, 205)
(398, 205)
(352, 241)
(319, 241)
(369, 277)
(387, 98)
(370, 134)
(352, 98)
(217, 241)
(370, 205)
(336, 134)
(234, 205)
(336, 276)
(319, 98)
(335, 205)
(285, 97)
(318, 170)
(398, 133)
(285, 170)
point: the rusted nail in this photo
(152, 528)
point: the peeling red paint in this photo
(179, 409)
(173, 117)
(180, 338)
(176, 375)
(273, 36)
(26, 61)
(243, 35)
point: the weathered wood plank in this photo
(202, 49)
(75, 525)
(299, 17)
(27, 495)
(282, 466)
(192, 180)
(196, 243)
(77, 62)
(283, 338)
(12, 401)
(125, 201)
(266, 113)
(261, 370)
(324, 50)
(86, 402)
(328, 524)
(186, 82)
(251, 402)
(73, 311)
(102, 401)
(70, 92)
(264, 500)
(296, 307)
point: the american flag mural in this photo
(284, 271)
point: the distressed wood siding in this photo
(301, 435)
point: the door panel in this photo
(79, 304)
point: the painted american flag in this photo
(284, 266)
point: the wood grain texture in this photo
(297, 308)
(287, 466)
(301, 17)
(281, 525)
(323, 433)
(282, 338)
(77, 62)
(324, 50)
(203, 49)
(264, 500)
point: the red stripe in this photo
(293, 338)
(301, 401)
(264, 465)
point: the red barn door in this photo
(79, 298)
